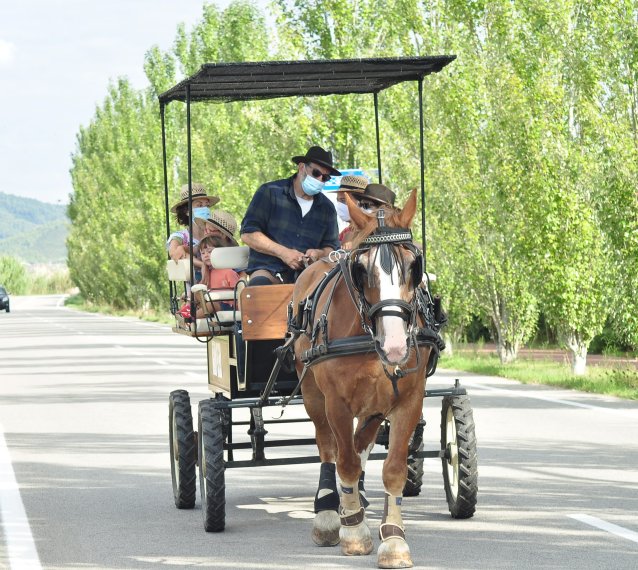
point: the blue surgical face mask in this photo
(201, 212)
(342, 212)
(311, 186)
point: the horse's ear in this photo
(357, 216)
(407, 213)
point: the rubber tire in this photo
(8, 310)
(460, 476)
(414, 481)
(212, 486)
(183, 451)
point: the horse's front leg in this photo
(394, 551)
(354, 533)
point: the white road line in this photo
(21, 548)
(518, 394)
(607, 526)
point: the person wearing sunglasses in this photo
(289, 223)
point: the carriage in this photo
(248, 347)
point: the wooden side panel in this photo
(264, 311)
(219, 364)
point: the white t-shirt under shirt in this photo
(305, 205)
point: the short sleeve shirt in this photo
(274, 211)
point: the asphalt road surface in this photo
(85, 474)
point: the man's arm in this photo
(263, 244)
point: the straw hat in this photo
(380, 194)
(351, 183)
(199, 191)
(220, 220)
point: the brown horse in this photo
(373, 294)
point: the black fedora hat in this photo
(319, 156)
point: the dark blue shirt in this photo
(275, 212)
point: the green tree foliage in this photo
(531, 144)
(13, 276)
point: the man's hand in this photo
(292, 258)
(313, 255)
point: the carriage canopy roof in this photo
(271, 79)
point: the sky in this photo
(56, 60)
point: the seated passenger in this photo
(215, 279)
(179, 243)
(375, 197)
(221, 224)
(289, 223)
(355, 186)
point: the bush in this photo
(13, 276)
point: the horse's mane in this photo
(391, 221)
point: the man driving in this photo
(289, 223)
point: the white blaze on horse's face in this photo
(391, 330)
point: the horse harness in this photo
(348, 267)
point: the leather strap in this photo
(353, 520)
(389, 530)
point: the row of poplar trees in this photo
(531, 162)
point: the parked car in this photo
(4, 299)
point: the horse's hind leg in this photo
(326, 525)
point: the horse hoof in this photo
(356, 540)
(394, 553)
(325, 529)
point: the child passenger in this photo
(215, 278)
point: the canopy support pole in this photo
(190, 197)
(376, 123)
(172, 291)
(422, 154)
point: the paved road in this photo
(83, 407)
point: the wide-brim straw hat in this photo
(351, 183)
(319, 156)
(199, 191)
(380, 194)
(220, 220)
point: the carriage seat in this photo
(214, 322)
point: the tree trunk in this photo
(507, 352)
(578, 349)
(449, 350)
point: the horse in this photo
(366, 297)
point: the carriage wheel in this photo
(182, 449)
(211, 466)
(415, 464)
(458, 441)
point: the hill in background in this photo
(32, 231)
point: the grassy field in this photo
(621, 381)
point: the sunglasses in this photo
(316, 173)
(366, 205)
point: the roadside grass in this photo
(81, 304)
(621, 381)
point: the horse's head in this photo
(385, 268)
